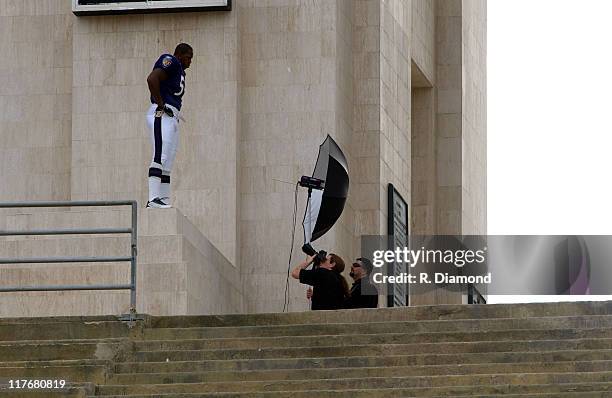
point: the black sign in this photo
(101, 7)
(398, 238)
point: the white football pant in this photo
(164, 133)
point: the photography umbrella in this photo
(327, 192)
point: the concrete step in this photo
(108, 327)
(599, 394)
(63, 341)
(57, 319)
(48, 351)
(75, 392)
(487, 381)
(71, 389)
(62, 362)
(80, 328)
(388, 371)
(79, 390)
(57, 328)
(418, 313)
(381, 338)
(568, 390)
(355, 393)
(375, 349)
(311, 329)
(363, 361)
(95, 371)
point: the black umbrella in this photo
(327, 192)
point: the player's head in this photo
(183, 52)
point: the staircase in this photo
(519, 350)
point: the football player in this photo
(167, 86)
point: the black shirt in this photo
(327, 292)
(363, 295)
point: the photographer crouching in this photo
(330, 289)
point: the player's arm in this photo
(154, 80)
(295, 273)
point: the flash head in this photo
(312, 183)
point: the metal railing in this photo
(53, 260)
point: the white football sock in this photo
(164, 191)
(154, 187)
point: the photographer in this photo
(330, 289)
(363, 293)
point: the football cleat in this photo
(157, 203)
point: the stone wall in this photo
(474, 120)
(270, 79)
(423, 146)
(366, 190)
(36, 99)
(423, 38)
(423, 152)
(111, 148)
(288, 106)
(345, 236)
(448, 116)
(395, 94)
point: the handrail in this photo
(69, 232)
(54, 260)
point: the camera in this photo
(319, 256)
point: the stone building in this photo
(399, 84)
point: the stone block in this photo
(449, 8)
(449, 101)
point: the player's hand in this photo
(165, 109)
(168, 111)
(309, 293)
